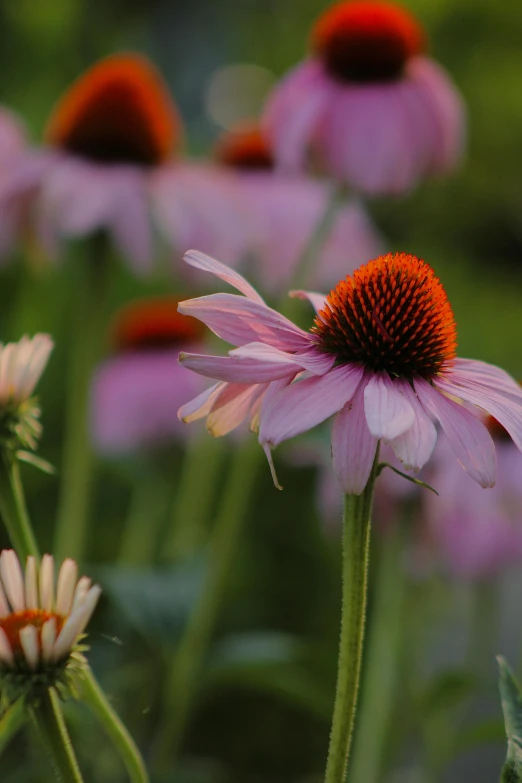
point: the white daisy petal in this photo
(30, 646)
(31, 584)
(66, 584)
(47, 583)
(13, 580)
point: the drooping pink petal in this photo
(294, 110)
(504, 407)
(239, 320)
(316, 300)
(388, 411)
(236, 370)
(234, 404)
(201, 405)
(353, 446)
(207, 264)
(306, 403)
(470, 440)
(462, 371)
(415, 446)
(316, 362)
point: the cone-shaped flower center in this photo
(365, 41)
(245, 148)
(119, 111)
(392, 314)
(13, 623)
(153, 324)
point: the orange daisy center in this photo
(13, 623)
(366, 41)
(244, 147)
(119, 111)
(392, 314)
(152, 324)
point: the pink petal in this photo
(353, 446)
(464, 370)
(207, 264)
(504, 407)
(239, 320)
(316, 300)
(236, 370)
(306, 403)
(388, 411)
(470, 440)
(233, 406)
(200, 406)
(131, 222)
(316, 362)
(415, 446)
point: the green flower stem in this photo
(380, 671)
(318, 238)
(47, 717)
(193, 499)
(148, 509)
(356, 551)
(183, 677)
(96, 699)
(13, 509)
(88, 303)
(484, 626)
(11, 722)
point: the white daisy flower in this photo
(40, 624)
(21, 365)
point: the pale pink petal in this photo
(30, 645)
(388, 411)
(504, 407)
(316, 362)
(239, 320)
(233, 406)
(6, 652)
(353, 446)
(48, 638)
(294, 110)
(237, 370)
(306, 403)
(200, 406)
(12, 577)
(131, 222)
(470, 440)
(316, 300)
(31, 584)
(47, 583)
(66, 585)
(462, 370)
(415, 446)
(207, 264)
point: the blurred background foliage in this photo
(264, 700)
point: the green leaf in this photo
(511, 699)
(10, 722)
(448, 690)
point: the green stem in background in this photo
(11, 722)
(183, 676)
(148, 509)
(88, 303)
(96, 699)
(13, 509)
(47, 717)
(381, 665)
(484, 626)
(318, 238)
(195, 491)
(356, 553)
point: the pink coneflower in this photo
(112, 144)
(376, 111)
(468, 533)
(136, 392)
(283, 211)
(40, 623)
(380, 357)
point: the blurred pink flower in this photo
(282, 213)
(470, 533)
(135, 393)
(380, 357)
(112, 142)
(377, 113)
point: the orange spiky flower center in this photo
(154, 324)
(246, 148)
(392, 314)
(13, 623)
(365, 41)
(119, 111)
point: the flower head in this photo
(21, 365)
(40, 625)
(135, 392)
(380, 357)
(368, 103)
